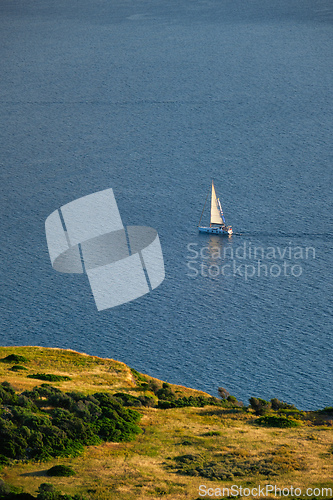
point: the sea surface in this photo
(155, 98)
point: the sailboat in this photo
(217, 224)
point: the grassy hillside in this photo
(179, 448)
(87, 373)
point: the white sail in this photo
(215, 213)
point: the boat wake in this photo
(258, 234)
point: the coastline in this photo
(182, 438)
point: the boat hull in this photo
(216, 230)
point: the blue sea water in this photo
(154, 99)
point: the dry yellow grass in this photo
(88, 373)
(139, 470)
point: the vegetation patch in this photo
(14, 358)
(46, 491)
(238, 463)
(187, 442)
(212, 433)
(168, 399)
(61, 422)
(4, 461)
(49, 377)
(61, 470)
(17, 368)
(128, 400)
(140, 379)
(194, 401)
(45, 422)
(278, 421)
(328, 410)
(261, 406)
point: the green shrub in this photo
(147, 401)
(13, 440)
(48, 491)
(17, 368)
(4, 460)
(26, 417)
(50, 377)
(280, 405)
(127, 399)
(166, 393)
(153, 386)
(193, 401)
(292, 413)
(187, 442)
(61, 470)
(14, 358)
(232, 399)
(277, 421)
(25, 402)
(212, 433)
(138, 377)
(166, 405)
(111, 408)
(7, 394)
(328, 410)
(28, 431)
(44, 391)
(260, 406)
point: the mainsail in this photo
(218, 224)
(216, 213)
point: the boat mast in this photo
(203, 208)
